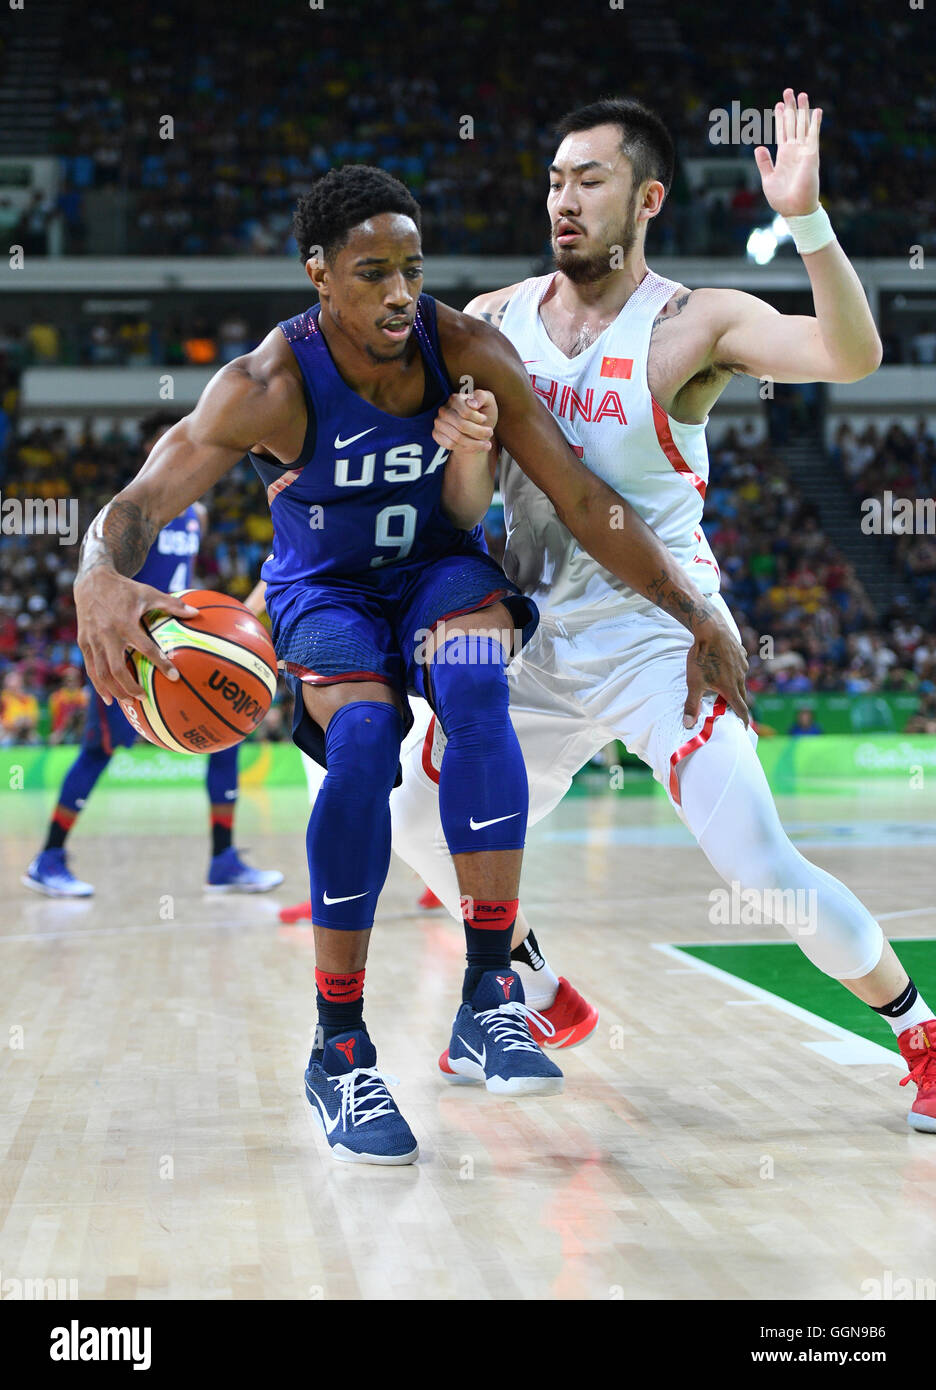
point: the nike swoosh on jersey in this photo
(348, 899)
(343, 443)
(329, 1124)
(480, 824)
(481, 1056)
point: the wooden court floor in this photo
(154, 1136)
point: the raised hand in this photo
(791, 183)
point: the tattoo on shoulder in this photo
(495, 316)
(672, 308)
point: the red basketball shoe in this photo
(428, 901)
(299, 912)
(573, 1018)
(918, 1049)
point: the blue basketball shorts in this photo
(373, 627)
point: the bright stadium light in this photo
(763, 242)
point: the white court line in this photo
(907, 912)
(872, 1051)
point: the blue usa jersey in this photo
(364, 494)
(171, 558)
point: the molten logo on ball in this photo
(241, 701)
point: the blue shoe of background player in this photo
(492, 1042)
(228, 873)
(49, 874)
(352, 1105)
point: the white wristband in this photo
(811, 232)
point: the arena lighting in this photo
(763, 242)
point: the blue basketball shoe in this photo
(49, 874)
(228, 873)
(352, 1105)
(492, 1042)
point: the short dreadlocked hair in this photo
(344, 198)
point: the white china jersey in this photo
(602, 402)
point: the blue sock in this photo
(77, 787)
(488, 929)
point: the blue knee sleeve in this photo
(483, 794)
(348, 840)
(81, 777)
(221, 778)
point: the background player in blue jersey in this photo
(167, 566)
(375, 588)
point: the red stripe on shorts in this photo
(697, 740)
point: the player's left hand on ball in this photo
(717, 661)
(466, 422)
(110, 610)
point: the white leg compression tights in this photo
(727, 805)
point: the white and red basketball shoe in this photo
(570, 1014)
(918, 1049)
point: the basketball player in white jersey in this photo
(630, 365)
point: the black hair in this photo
(644, 138)
(342, 199)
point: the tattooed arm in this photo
(247, 405)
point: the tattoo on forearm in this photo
(680, 605)
(120, 536)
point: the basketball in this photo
(227, 677)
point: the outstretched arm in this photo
(236, 411)
(841, 342)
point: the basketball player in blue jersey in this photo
(168, 565)
(375, 588)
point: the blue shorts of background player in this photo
(107, 729)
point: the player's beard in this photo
(584, 268)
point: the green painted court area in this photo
(781, 968)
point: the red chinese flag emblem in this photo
(619, 367)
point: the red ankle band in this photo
(339, 989)
(488, 915)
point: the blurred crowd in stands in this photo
(173, 146)
(807, 622)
